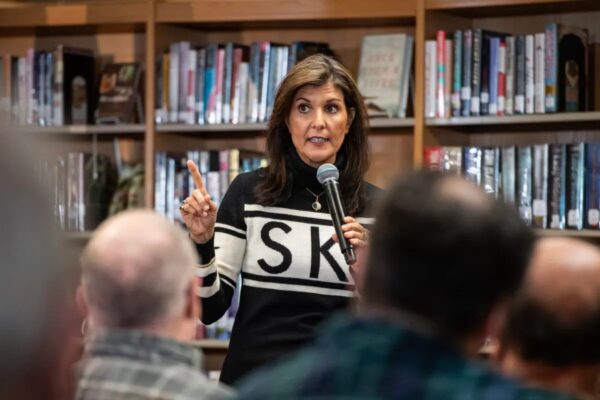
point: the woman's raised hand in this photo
(198, 211)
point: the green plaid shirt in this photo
(134, 365)
(367, 358)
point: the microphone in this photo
(328, 176)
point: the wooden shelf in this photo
(83, 129)
(498, 8)
(382, 123)
(535, 119)
(212, 344)
(282, 11)
(55, 15)
(581, 234)
(376, 123)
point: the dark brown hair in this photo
(316, 70)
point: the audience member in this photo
(553, 326)
(139, 292)
(444, 259)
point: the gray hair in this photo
(136, 270)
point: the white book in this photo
(22, 74)
(190, 90)
(529, 82)
(184, 66)
(31, 99)
(430, 78)
(173, 82)
(240, 94)
(539, 73)
(262, 101)
(509, 107)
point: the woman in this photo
(273, 225)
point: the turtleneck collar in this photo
(305, 176)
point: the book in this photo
(524, 183)
(592, 186)
(572, 69)
(556, 186)
(575, 179)
(473, 164)
(119, 99)
(508, 182)
(381, 71)
(540, 185)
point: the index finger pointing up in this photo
(196, 175)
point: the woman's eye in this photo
(303, 108)
(332, 109)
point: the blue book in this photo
(493, 79)
(592, 186)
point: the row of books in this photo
(224, 83)
(81, 186)
(554, 186)
(218, 168)
(60, 87)
(479, 72)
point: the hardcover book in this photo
(120, 101)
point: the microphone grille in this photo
(327, 172)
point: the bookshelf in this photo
(139, 30)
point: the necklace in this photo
(316, 205)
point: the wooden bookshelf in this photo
(125, 129)
(109, 12)
(576, 118)
(588, 234)
(215, 344)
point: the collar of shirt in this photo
(142, 346)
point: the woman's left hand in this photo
(354, 232)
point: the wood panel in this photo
(97, 13)
(211, 11)
(391, 154)
(474, 8)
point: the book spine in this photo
(457, 73)
(551, 67)
(485, 73)
(508, 163)
(440, 89)
(540, 185)
(556, 187)
(452, 160)
(58, 96)
(465, 94)
(592, 185)
(520, 75)
(174, 56)
(448, 69)
(473, 162)
(254, 82)
(190, 106)
(227, 82)
(200, 71)
(524, 189)
(493, 76)
(476, 73)
(529, 79)
(406, 75)
(509, 108)
(430, 78)
(433, 158)
(576, 160)
(491, 171)
(266, 54)
(501, 79)
(184, 66)
(540, 81)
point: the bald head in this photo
(445, 251)
(556, 316)
(136, 270)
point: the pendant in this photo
(316, 205)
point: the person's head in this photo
(319, 112)
(553, 325)
(138, 273)
(444, 252)
(37, 318)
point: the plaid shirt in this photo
(135, 365)
(360, 358)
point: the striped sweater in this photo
(293, 273)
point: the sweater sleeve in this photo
(222, 256)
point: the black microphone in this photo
(328, 176)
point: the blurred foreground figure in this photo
(37, 318)
(552, 334)
(444, 259)
(138, 290)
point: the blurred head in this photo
(138, 273)
(553, 325)
(37, 319)
(319, 112)
(444, 252)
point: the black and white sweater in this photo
(293, 273)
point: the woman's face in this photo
(318, 123)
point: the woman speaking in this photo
(273, 225)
